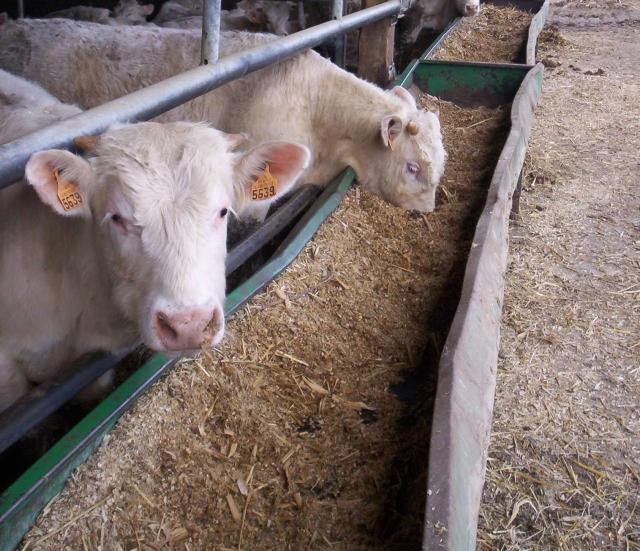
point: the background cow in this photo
(395, 148)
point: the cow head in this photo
(408, 158)
(271, 15)
(129, 12)
(158, 196)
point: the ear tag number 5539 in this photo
(265, 186)
(67, 193)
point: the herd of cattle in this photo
(127, 239)
(280, 17)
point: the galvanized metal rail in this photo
(337, 12)
(163, 96)
(47, 398)
(210, 47)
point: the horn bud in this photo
(412, 128)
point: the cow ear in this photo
(404, 95)
(270, 170)
(62, 181)
(390, 129)
(147, 9)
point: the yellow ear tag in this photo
(265, 186)
(67, 193)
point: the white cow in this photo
(128, 243)
(394, 147)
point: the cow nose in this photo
(187, 330)
(470, 10)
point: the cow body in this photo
(136, 248)
(343, 120)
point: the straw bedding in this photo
(497, 35)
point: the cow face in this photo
(407, 174)
(158, 196)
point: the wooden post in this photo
(375, 58)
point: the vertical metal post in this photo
(20, 9)
(302, 20)
(210, 31)
(339, 54)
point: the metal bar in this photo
(302, 20)
(336, 14)
(43, 400)
(210, 47)
(163, 96)
(271, 227)
(20, 9)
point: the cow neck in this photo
(346, 123)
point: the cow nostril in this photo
(166, 330)
(213, 324)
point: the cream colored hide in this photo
(83, 13)
(250, 15)
(176, 9)
(126, 12)
(129, 12)
(307, 99)
(434, 15)
(129, 243)
(273, 16)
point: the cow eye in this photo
(223, 212)
(119, 222)
(413, 168)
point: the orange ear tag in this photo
(265, 186)
(67, 193)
